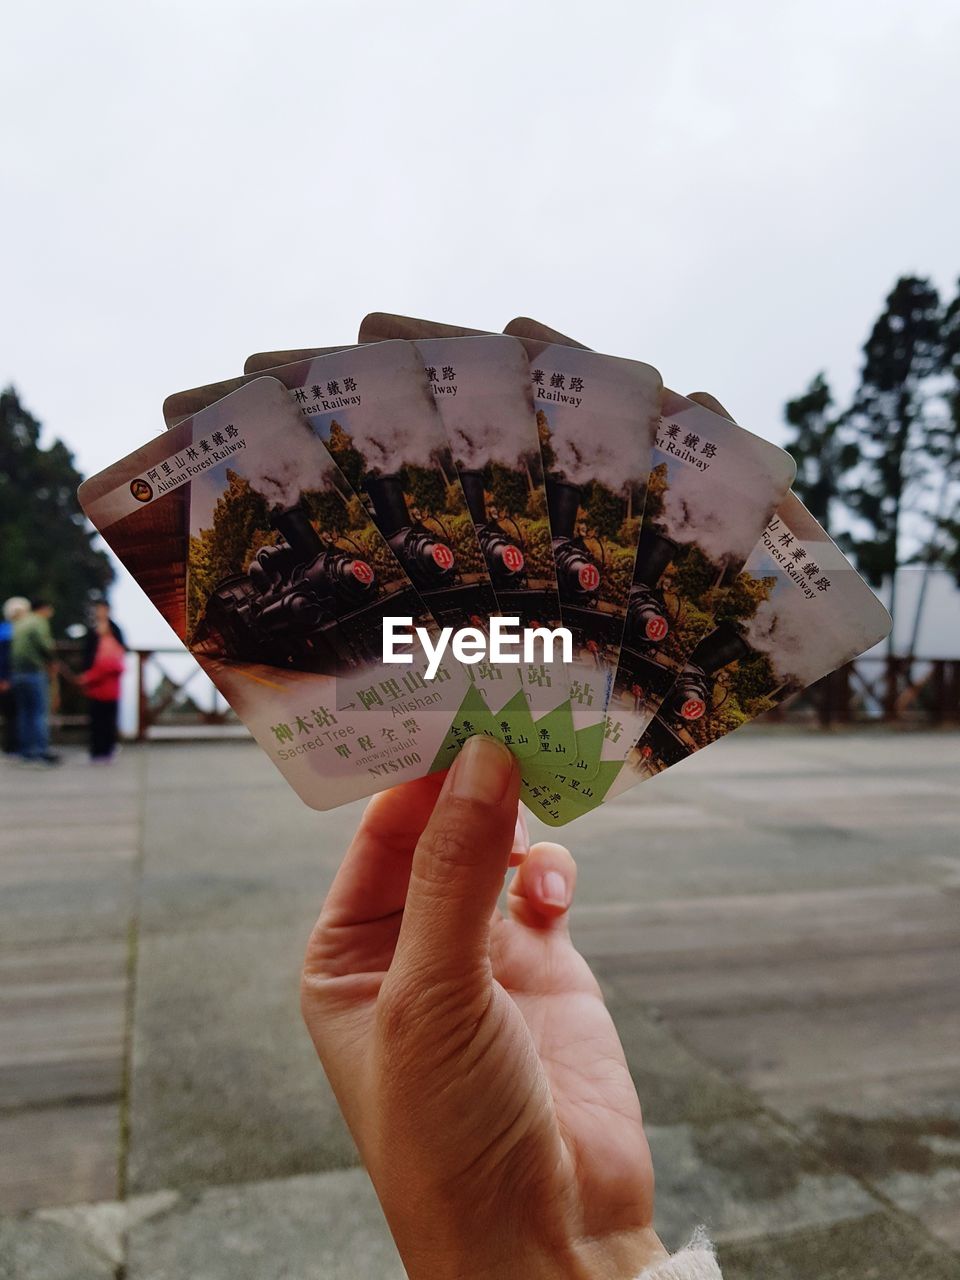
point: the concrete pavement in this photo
(775, 924)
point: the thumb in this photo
(458, 868)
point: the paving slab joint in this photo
(889, 1206)
(129, 1015)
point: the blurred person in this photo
(103, 664)
(471, 1051)
(12, 609)
(32, 665)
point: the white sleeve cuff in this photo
(695, 1262)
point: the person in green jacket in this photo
(31, 660)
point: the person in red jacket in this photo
(100, 680)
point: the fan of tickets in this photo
(378, 550)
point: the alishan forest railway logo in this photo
(141, 489)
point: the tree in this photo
(328, 510)
(618, 574)
(949, 555)
(604, 509)
(889, 414)
(822, 455)
(347, 458)
(240, 516)
(693, 573)
(889, 465)
(546, 448)
(538, 548)
(657, 486)
(751, 678)
(426, 488)
(945, 446)
(507, 487)
(46, 547)
(739, 601)
(942, 547)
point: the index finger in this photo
(372, 879)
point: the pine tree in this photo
(426, 489)
(945, 446)
(240, 517)
(546, 448)
(347, 458)
(508, 488)
(327, 510)
(942, 442)
(657, 486)
(604, 509)
(46, 547)
(822, 455)
(890, 418)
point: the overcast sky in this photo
(725, 191)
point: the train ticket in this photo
(253, 546)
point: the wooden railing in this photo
(174, 699)
(896, 691)
(177, 703)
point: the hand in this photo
(472, 1055)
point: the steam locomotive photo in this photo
(305, 603)
(648, 620)
(692, 697)
(506, 558)
(579, 571)
(427, 556)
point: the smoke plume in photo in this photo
(286, 470)
(388, 444)
(281, 463)
(806, 638)
(788, 629)
(698, 509)
(396, 421)
(597, 446)
(474, 443)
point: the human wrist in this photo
(621, 1255)
(617, 1256)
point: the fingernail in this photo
(521, 836)
(553, 889)
(481, 771)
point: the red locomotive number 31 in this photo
(589, 577)
(656, 628)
